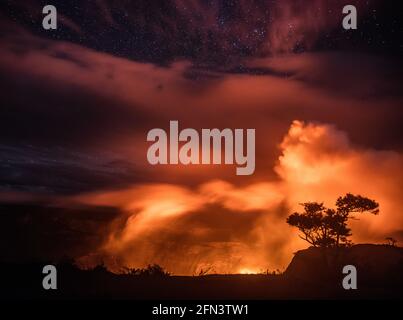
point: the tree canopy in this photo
(327, 227)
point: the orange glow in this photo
(164, 223)
(326, 124)
(247, 271)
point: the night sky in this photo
(213, 33)
(77, 103)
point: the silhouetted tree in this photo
(325, 227)
(151, 270)
(205, 271)
(100, 268)
(391, 241)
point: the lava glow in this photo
(248, 271)
(220, 226)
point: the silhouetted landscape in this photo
(314, 273)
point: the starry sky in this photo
(213, 33)
(77, 104)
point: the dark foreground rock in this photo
(379, 270)
(374, 263)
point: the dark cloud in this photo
(22, 169)
(86, 102)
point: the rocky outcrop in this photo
(375, 264)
